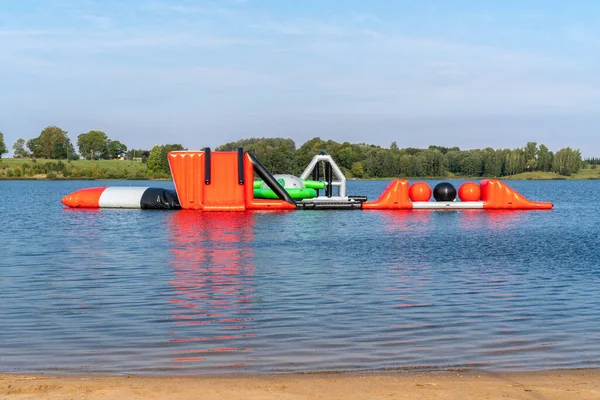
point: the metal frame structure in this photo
(313, 171)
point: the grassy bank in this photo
(112, 165)
(15, 168)
(583, 174)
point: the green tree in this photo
(472, 164)
(308, 150)
(158, 160)
(116, 148)
(567, 161)
(279, 159)
(3, 149)
(417, 166)
(443, 149)
(277, 154)
(435, 163)
(52, 143)
(154, 162)
(530, 154)
(454, 160)
(514, 162)
(374, 162)
(137, 153)
(281, 156)
(32, 145)
(545, 158)
(357, 169)
(405, 165)
(346, 156)
(93, 145)
(19, 149)
(390, 166)
(493, 162)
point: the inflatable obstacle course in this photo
(225, 181)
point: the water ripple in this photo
(126, 291)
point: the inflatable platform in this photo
(225, 181)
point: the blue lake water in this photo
(176, 292)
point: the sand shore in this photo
(563, 385)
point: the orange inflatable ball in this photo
(419, 191)
(469, 191)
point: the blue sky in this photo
(468, 73)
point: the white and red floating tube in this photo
(123, 197)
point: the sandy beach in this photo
(563, 385)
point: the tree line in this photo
(592, 161)
(3, 149)
(363, 160)
(280, 155)
(53, 143)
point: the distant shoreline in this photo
(25, 169)
(580, 384)
(428, 178)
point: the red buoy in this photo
(469, 191)
(419, 191)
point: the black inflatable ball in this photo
(444, 192)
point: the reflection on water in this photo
(497, 220)
(420, 221)
(213, 267)
(414, 222)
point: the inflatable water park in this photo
(236, 181)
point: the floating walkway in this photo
(224, 181)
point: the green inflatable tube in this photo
(298, 194)
(314, 184)
(307, 183)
